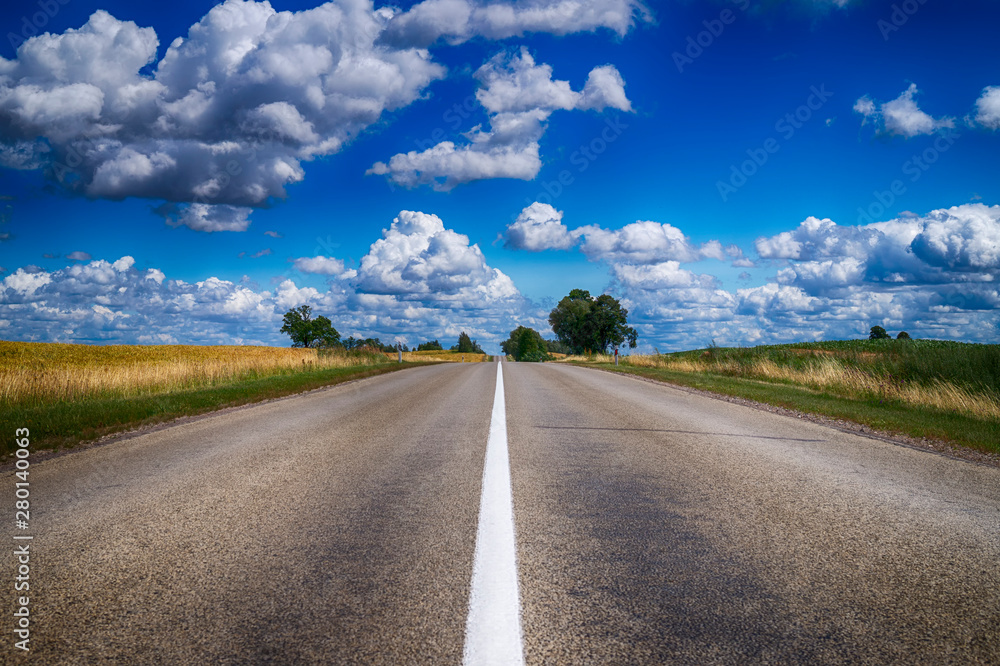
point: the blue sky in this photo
(744, 172)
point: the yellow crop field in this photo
(35, 372)
(447, 356)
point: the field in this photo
(447, 356)
(35, 372)
(71, 393)
(923, 388)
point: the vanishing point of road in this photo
(510, 513)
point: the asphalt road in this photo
(653, 526)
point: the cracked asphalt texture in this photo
(654, 526)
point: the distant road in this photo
(652, 525)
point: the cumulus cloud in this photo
(539, 227)
(320, 265)
(934, 275)
(964, 239)
(988, 108)
(232, 111)
(639, 242)
(78, 256)
(460, 20)
(419, 281)
(228, 114)
(519, 96)
(418, 258)
(203, 217)
(901, 116)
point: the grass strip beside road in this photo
(883, 415)
(55, 425)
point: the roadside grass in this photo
(67, 394)
(922, 388)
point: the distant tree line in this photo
(879, 333)
(317, 332)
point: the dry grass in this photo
(827, 373)
(446, 356)
(32, 372)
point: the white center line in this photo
(493, 628)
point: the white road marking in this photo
(493, 628)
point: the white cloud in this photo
(901, 116)
(417, 258)
(420, 281)
(78, 256)
(203, 217)
(988, 108)
(232, 111)
(320, 265)
(460, 20)
(964, 238)
(519, 96)
(227, 116)
(639, 242)
(934, 275)
(23, 284)
(539, 227)
(865, 106)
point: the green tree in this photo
(524, 345)
(878, 333)
(432, 345)
(903, 335)
(306, 331)
(467, 345)
(610, 328)
(583, 322)
(570, 320)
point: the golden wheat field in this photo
(447, 356)
(33, 372)
(827, 373)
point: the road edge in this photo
(936, 446)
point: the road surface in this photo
(652, 526)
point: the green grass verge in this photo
(64, 424)
(894, 417)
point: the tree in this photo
(878, 333)
(584, 323)
(611, 327)
(903, 335)
(305, 331)
(432, 345)
(569, 320)
(467, 345)
(525, 345)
